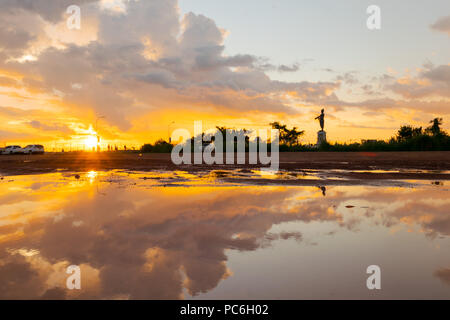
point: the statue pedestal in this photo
(321, 137)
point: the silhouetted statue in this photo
(321, 119)
(324, 190)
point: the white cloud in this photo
(442, 25)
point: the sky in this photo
(137, 70)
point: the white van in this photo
(12, 150)
(33, 149)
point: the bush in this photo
(160, 146)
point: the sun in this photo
(90, 142)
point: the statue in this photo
(321, 119)
(321, 135)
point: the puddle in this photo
(173, 235)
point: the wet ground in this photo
(354, 165)
(241, 233)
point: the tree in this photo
(223, 130)
(287, 137)
(435, 128)
(417, 131)
(160, 146)
(404, 133)
(408, 132)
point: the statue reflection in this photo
(323, 189)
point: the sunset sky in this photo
(142, 68)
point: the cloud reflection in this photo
(140, 242)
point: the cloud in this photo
(50, 127)
(15, 135)
(17, 33)
(8, 82)
(200, 32)
(52, 12)
(18, 279)
(348, 78)
(434, 81)
(14, 39)
(439, 74)
(147, 58)
(293, 68)
(385, 104)
(442, 25)
(161, 77)
(369, 90)
(443, 274)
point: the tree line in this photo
(407, 138)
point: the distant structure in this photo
(321, 135)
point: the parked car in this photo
(12, 150)
(33, 149)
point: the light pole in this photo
(96, 130)
(168, 131)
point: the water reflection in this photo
(134, 237)
(323, 189)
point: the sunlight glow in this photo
(92, 175)
(90, 142)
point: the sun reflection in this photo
(92, 175)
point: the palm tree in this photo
(435, 127)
